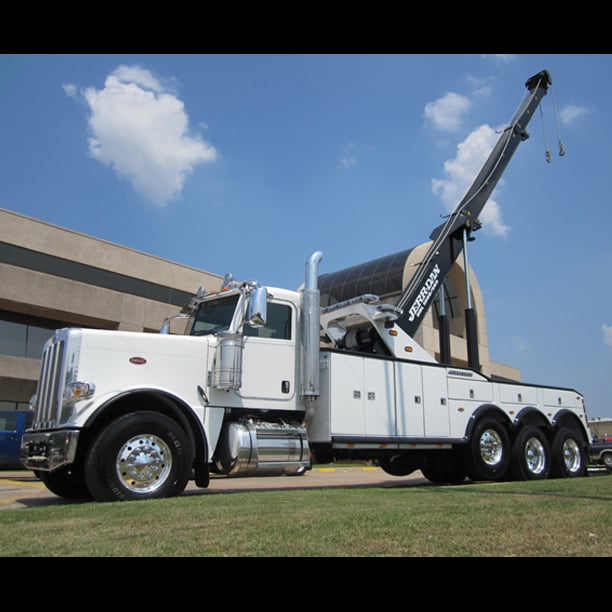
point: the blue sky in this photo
(247, 163)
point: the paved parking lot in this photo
(21, 488)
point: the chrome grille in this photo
(49, 386)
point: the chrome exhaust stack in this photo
(311, 326)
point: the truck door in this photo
(269, 357)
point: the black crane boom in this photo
(448, 238)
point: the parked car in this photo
(600, 454)
(13, 424)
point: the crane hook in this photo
(561, 149)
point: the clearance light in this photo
(408, 349)
(393, 332)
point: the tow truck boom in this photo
(449, 237)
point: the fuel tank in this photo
(258, 447)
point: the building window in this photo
(6, 405)
(22, 336)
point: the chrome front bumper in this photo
(50, 450)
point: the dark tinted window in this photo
(278, 324)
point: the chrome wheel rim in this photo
(571, 455)
(535, 456)
(491, 447)
(144, 463)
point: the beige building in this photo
(53, 277)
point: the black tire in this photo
(568, 454)
(530, 455)
(141, 455)
(447, 469)
(66, 482)
(487, 453)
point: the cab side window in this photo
(278, 325)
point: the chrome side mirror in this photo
(257, 312)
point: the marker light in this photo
(77, 391)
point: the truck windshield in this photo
(214, 316)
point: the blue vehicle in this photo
(13, 424)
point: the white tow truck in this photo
(263, 379)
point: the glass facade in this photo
(23, 336)
(10, 405)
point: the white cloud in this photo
(460, 173)
(607, 334)
(571, 112)
(447, 112)
(141, 130)
(139, 76)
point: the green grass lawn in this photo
(551, 518)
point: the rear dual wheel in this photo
(530, 455)
(488, 452)
(569, 458)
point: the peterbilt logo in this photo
(427, 290)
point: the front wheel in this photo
(487, 453)
(569, 458)
(141, 455)
(530, 455)
(67, 482)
